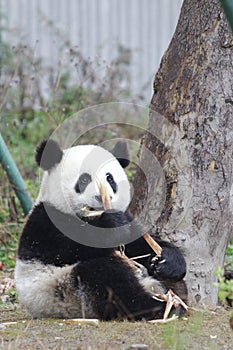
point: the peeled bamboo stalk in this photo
(107, 204)
(154, 245)
(83, 321)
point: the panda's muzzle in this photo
(104, 199)
(100, 200)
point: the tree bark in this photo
(193, 90)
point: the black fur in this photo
(41, 240)
(120, 151)
(110, 280)
(171, 265)
(174, 267)
(118, 293)
(169, 269)
(83, 181)
(111, 182)
(48, 153)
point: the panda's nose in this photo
(98, 198)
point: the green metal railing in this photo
(228, 8)
(14, 177)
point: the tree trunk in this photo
(193, 90)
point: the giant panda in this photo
(58, 274)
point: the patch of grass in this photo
(203, 330)
(181, 335)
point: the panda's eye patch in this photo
(111, 182)
(82, 182)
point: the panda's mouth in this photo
(104, 203)
(90, 212)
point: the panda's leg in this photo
(115, 291)
(169, 269)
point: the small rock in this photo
(2, 327)
(138, 347)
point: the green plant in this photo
(9, 297)
(229, 256)
(225, 286)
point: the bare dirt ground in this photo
(206, 329)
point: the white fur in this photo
(58, 183)
(152, 285)
(46, 291)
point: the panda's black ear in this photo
(120, 151)
(48, 153)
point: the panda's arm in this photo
(171, 265)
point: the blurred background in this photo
(129, 34)
(60, 56)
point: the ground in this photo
(206, 329)
(199, 330)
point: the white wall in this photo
(98, 27)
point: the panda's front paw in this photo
(158, 267)
(169, 266)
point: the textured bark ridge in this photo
(193, 90)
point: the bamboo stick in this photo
(154, 245)
(108, 205)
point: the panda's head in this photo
(71, 177)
